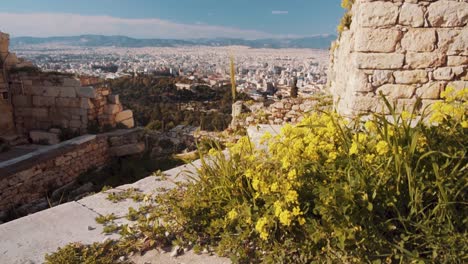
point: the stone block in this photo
(71, 82)
(377, 40)
(75, 123)
(40, 112)
(411, 15)
(377, 14)
(22, 100)
(113, 99)
(43, 101)
(44, 137)
(443, 74)
(379, 61)
(445, 13)
(396, 91)
(446, 36)
(419, 40)
(125, 118)
(112, 109)
(68, 102)
(458, 85)
(460, 44)
(430, 91)
(457, 60)
(425, 60)
(67, 92)
(87, 92)
(86, 103)
(411, 77)
(126, 150)
(380, 77)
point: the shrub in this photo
(329, 190)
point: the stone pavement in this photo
(28, 239)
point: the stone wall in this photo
(40, 101)
(27, 180)
(30, 177)
(44, 100)
(405, 49)
(288, 110)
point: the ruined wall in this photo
(6, 111)
(288, 110)
(28, 180)
(43, 100)
(34, 175)
(403, 48)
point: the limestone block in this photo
(40, 112)
(68, 102)
(381, 77)
(126, 150)
(71, 82)
(458, 85)
(431, 90)
(457, 60)
(75, 123)
(113, 99)
(379, 61)
(377, 40)
(112, 109)
(411, 15)
(23, 111)
(394, 91)
(411, 77)
(44, 137)
(443, 74)
(446, 36)
(419, 40)
(377, 14)
(444, 13)
(22, 100)
(43, 101)
(88, 92)
(425, 60)
(67, 92)
(460, 45)
(366, 104)
(86, 103)
(125, 118)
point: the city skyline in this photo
(163, 19)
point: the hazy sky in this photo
(171, 18)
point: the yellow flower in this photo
(370, 126)
(464, 124)
(274, 187)
(382, 148)
(278, 208)
(353, 149)
(232, 214)
(291, 196)
(301, 220)
(405, 115)
(261, 228)
(256, 183)
(297, 211)
(285, 218)
(370, 158)
(292, 174)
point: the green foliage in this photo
(346, 20)
(104, 219)
(329, 190)
(130, 193)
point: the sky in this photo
(180, 19)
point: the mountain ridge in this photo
(314, 42)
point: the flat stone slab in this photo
(28, 239)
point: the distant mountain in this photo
(316, 42)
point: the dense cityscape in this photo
(258, 70)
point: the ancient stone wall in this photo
(44, 100)
(31, 177)
(28, 180)
(404, 49)
(288, 110)
(6, 111)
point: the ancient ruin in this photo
(40, 104)
(403, 49)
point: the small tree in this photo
(294, 91)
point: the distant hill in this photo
(316, 42)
